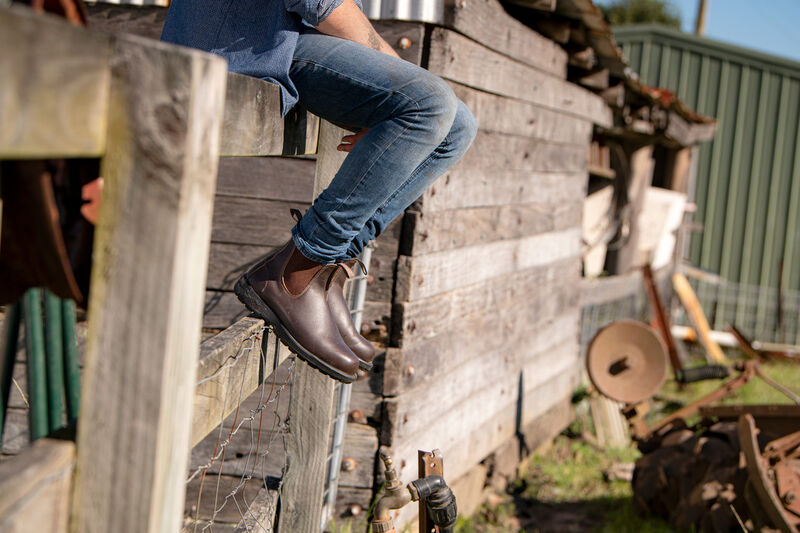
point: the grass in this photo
(564, 490)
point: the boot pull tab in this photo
(362, 265)
(334, 271)
(296, 214)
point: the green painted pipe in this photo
(54, 355)
(72, 373)
(37, 379)
(10, 335)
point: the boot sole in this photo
(250, 298)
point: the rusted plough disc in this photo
(627, 361)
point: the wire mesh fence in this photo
(235, 472)
(765, 314)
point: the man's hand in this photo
(348, 22)
(349, 141)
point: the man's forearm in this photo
(348, 22)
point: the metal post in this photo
(10, 335)
(34, 343)
(54, 355)
(72, 376)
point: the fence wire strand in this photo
(248, 452)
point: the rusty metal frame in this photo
(430, 464)
(661, 317)
(758, 468)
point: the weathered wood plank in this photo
(540, 5)
(515, 292)
(380, 275)
(215, 500)
(493, 383)
(145, 21)
(227, 262)
(481, 20)
(260, 513)
(35, 488)
(359, 453)
(310, 420)
(461, 452)
(465, 187)
(456, 228)
(151, 248)
(252, 221)
(686, 134)
(499, 114)
(424, 276)
(459, 59)
(289, 179)
(492, 151)
(407, 38)
(54, 95)
(351, 499)
(253, 123)
(248, 452)
(222, 310)
(229, 371)
(533, 326)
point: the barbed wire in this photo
(256, 453)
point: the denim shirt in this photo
(257, 37)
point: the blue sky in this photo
(771, 26)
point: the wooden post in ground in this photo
(312, 404)
(148, 282)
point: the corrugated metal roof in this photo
(748, 180)
(412, 10)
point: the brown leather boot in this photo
(360, 346)
(301, 318)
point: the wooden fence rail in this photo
(159, 116)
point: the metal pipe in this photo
(10, 336)
(36, 373)
(54, 356)
(72, 373)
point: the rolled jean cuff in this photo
(310, 251)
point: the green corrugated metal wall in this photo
(748, 178)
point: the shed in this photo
(747, 188)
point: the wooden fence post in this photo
(148, 281)
(311, 408)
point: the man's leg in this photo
(438, 162)
(417, 129)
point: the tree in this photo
(642, 12)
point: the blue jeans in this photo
(418, 129)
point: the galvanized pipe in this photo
(36, 373)
(54, 356)
(72, 375)
(10, 335)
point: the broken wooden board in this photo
(480, 21)
(459, 59)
